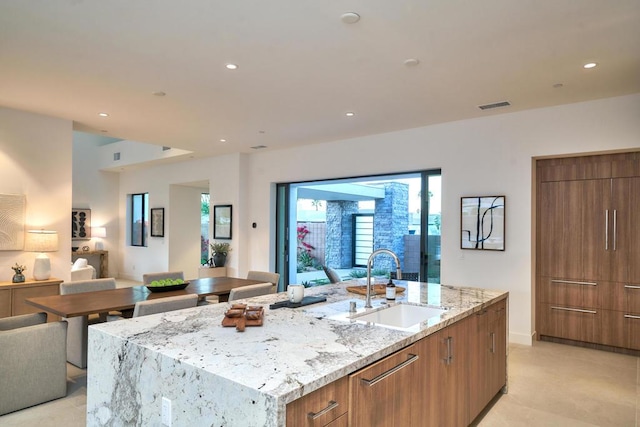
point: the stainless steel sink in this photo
(400, 315)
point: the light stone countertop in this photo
(217, 376)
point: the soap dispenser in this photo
(391, 290)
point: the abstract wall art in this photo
(482, 223)
(81, 224)
(12, 208)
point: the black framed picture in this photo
(157, 222)
(81, 224)
(482, 223)
(222, 222)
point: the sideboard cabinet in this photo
(12, 296)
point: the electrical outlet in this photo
(166, 412)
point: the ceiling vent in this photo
(494, 105)
(258, 147)
(116, 157)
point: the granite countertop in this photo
(297, 350)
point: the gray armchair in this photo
(265, 276)
(34, 361)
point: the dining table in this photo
(125, 299)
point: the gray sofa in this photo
(33, 361)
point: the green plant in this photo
(220, 248)
(19, 268)
(379, 272)
(358, 273)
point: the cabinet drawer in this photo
(632, 327)
(632, 297)
(569, 322)
(570, 292)
(320, 407)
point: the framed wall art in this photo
(157, 222)
(81, 224)
(482, 223)
(12, 209)
(222, 222)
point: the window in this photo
(138, 219)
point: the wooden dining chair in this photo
(161, 305)
(250, 291)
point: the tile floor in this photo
(549, 385)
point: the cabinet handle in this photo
(629, 316)
(631, 287)
(606, 230)
(571, 282)
(449, 358)
(410, 359)
(574, 309)
(332, 405)
(493, 342)
(615, 228)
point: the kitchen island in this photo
(216, 376)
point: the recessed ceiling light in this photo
(349, 114)
(558, 85)
(589, 65)
(223, 140)
(159, 93)
(231, 67)
(411, 62)
(350, 17)
(103, 114)
(261, 131)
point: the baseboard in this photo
(594, 346)
(523, 339)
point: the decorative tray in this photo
(241, 315)
(305, 301)
(377, 289)
(168, 287)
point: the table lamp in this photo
(41, 241)
(99, 233)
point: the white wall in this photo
(485, 156)
(224, 176)
(488, 156)
(35, 160)
(96, 190)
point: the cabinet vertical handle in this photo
(449, 358)
(493, 342)
(412, 358)
(615, 228)
(606, 230)
(315, 415)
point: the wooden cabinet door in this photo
(622, 229)
(385, 394)
(20, 294)
(479, 347)
(497, 367)
(5, 303)
(560, 229)
(632, 326)
(598, 218)
(447, 352)
(633, 232)
(569, 322)
(320, 407)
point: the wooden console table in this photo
(102, 267)
(12, 296)
(212, 272)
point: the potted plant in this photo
(219, 251)
(18, 277)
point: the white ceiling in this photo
(301, 68)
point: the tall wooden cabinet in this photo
(588, 249)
